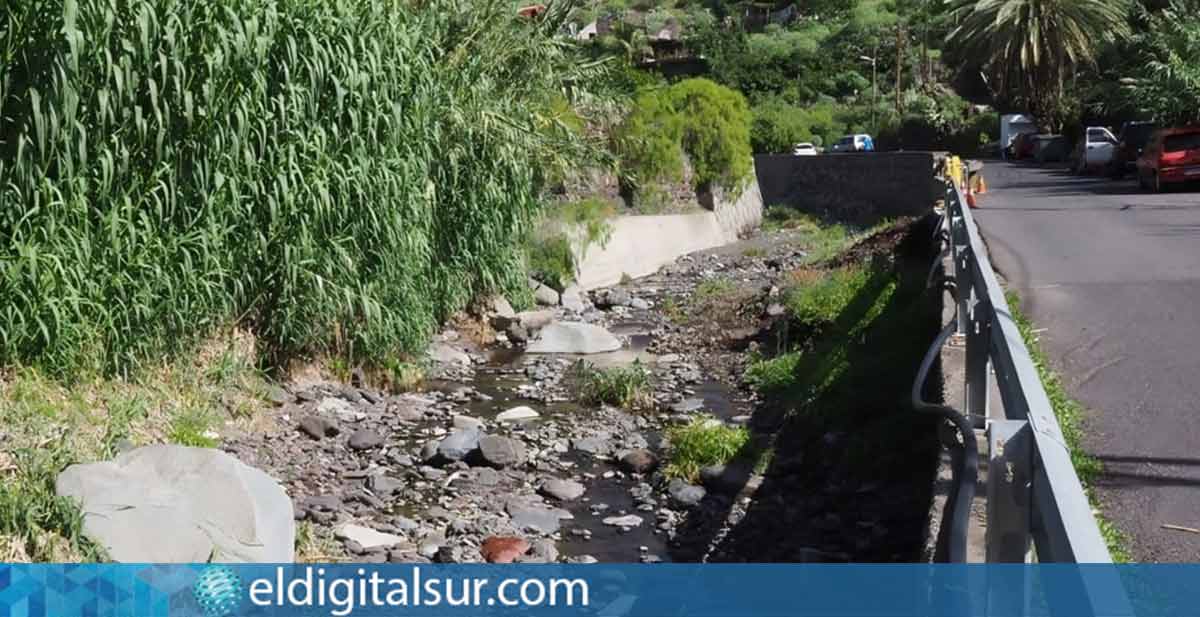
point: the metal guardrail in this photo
(1034, 497)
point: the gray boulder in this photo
(684, 494)
(563, 490)
(500, 311)
(533, 321)
(500, 452)
(574, 338)
(608, 298)
(317, 427)
(640, 460)
(175, 504)
(528, 517)
(545, 296)
(459, 444)
(596, 445)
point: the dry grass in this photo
(316, 544)
(48, 425)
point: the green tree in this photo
(1168, 87)
(716, 132)
(1033, 47)
(648, 141)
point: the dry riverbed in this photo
(660, 447)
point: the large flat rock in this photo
(175, 504)
(574, 338)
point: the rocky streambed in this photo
(496, 459)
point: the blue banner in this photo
(206, 590)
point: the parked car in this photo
(1130, 143)
(804, 149)
(855, 143)
(1172, 156)
(1095, 150)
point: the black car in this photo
(1130, 143)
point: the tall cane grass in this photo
(337, 175)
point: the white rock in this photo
(467, 422)
(366, 537)
(516, 414)
(175, 504)
(574, 338)
(441, 352)
(629, 520)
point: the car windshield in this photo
(1097, 135)
(1179, 143)
(846, 141)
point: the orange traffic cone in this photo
(971, 200)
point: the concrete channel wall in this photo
(640, 245)
(851, 188)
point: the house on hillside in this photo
(588, 32)
(670, 56)
(757, 15)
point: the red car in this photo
(1172, 156)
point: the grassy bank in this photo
(834, 383)
(1070, 419)
(48, 426)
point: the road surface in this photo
(1113, 276)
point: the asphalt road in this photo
(1113, 276)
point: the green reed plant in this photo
(336, 175)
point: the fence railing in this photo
(1034, 497)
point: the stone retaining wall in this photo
(852, 188)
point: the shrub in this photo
(648, 142)
(773, 374)
(821, 301)
(703, 442)
(552, 260)
(567, 229)
(781, 216)
(714, 289)
(716, 132)
(627, 387)
(336, 176)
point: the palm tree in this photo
(1034, 46)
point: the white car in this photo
(1095, 150)
(804, 149)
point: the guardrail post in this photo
(978, 354)
(1010, 464)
